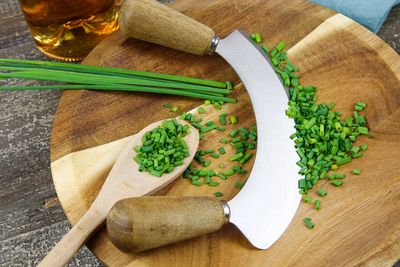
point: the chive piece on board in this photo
(218, 194)
(168, 106)
(356, 171)
(236, 157)
(321, 192)
(234, 133)
(238, 185)
(200, 110)
(308, 223)
(317, 204)
(228, 172)
(223, 141)
(336, 182)
(234, 119)
(221, 150)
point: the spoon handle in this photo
(137, 224)
(66, 248)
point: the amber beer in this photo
(69, 29)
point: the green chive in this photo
(356, 171)
(228, 172)
(336, 182)
(236, 157)
(322, 192)
(233, 119)
(317, 204)
(223, 141)
(308, 223)
(238, 185)
(200, 110)
(218, 194)
(234, 133)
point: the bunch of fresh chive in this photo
(75, 77)
(163, 148)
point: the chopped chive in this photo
(308, 223)
(222, 176)
(221, 165)
(215, 155)
(238, 185)
(174, 108)
(197, 183)
(221, 150)
(339, 175)
(236, 140)
(213, 183)
(307, 199)
(236, 157)
(356, 171)
(265, 48)
(168, 106)
(358, 108)
(223, 141)
(364, 147)
(361, 104)
(228, 172)
(317, 204)
(234, 133)
(321, 192)
(363, 130)
(208, 128)
(256, 37)
(280, 46)
(233, 119)
(222, 119)
(336, 182)
(200, 110)
(218, 194)
(245, 158)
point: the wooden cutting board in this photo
(359, 223)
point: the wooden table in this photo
(31, 220)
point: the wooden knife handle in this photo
(154, 22)
(137, 224)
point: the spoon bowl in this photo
(124, 180)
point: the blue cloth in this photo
(370, 13)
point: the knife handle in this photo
(151, 21)
(137, 224)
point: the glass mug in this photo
(69, 29)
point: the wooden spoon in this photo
(123, 181)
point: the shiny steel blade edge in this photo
(265, 206)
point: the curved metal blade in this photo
(263, 209)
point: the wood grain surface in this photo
(358, 223)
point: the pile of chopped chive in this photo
(75, 77)
(242, 140)
(162, 148)
(323, 140)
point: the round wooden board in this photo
(358, 223)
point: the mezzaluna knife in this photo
(265, 206)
